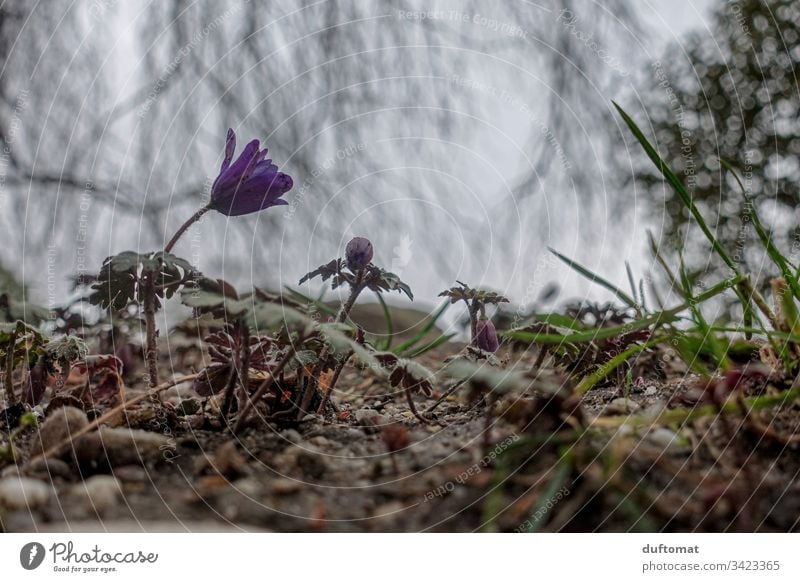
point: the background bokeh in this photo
(461, 137)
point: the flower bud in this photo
(358, 253)
(486, 336)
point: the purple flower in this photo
(249, 184)
(486, 336)
(358, 253)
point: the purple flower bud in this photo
(358, 253)
(486, 336)
(249, 184)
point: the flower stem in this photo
(149, 310)
(335, 378)
(185, 226)
(342, 316)
(355, 291)
(472, 308)
(12, 343)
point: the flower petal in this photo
(230, 148)
(232, 175)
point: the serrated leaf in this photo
(463, 292)
(118, 283)
(67, 349)
(325, 271)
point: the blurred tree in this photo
(432, 121)
(732, 95)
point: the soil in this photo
(457, 472)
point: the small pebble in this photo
(23, 493)
(99, 493)
(292, 435)
(131, 474)
(228, 461)
(123, 446)
(320, 441)
(249, 487)
(668, 440)
(283, 486)
(621, 406)
(48, 469)
(58, 428)
(309, 461)
(366, 415)
(10, 471)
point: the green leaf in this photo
(673, 181)
(267, 315)
(601, 373)
(317, 303)
(387, 317)
(203, 300)
(487, 378)
(386, 281)
(403, 348)
(441, 340)
(624, 297)
(780, 261)
(336, 337)
(539, 514)
(660, 318)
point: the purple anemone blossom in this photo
(486, 336)
(358, 253)
(249, 184)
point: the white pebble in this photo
(99, 493)
(22, 493)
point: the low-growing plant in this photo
(483, 334)
(357, 272)
(250, 184)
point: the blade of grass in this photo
(594, 278)
(773, 252)
(708, 343)
(562, 472)
(676, 184)
(556, 320)
(430, 345)
(387, 316)
(588, 382)
(607, 332)
(424, 331)
(683, 415)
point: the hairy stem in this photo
(149, 310)
(472, 309)
(244, 367)
(341, 317)
(335, 378)
(10, 368)
(185, 226)
(443, 397)
(413, 407)
(355, 290)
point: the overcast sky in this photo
(613, 242)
